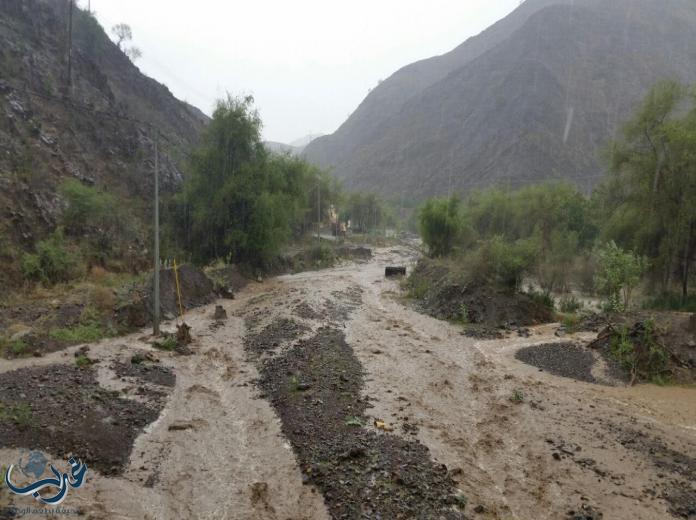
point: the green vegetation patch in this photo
(19, 414)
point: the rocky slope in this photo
(95, 126)
(533, 97)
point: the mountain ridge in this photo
(589, 65)
(96, 128)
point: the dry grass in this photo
(98, 274)
(102, 298)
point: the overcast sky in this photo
(308, 63)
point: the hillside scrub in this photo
(53, 262)
(638, 226)
(505, 235)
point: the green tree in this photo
(441, 225)
(619, 273)
(239, 201)
(650, 198)
(366, 212)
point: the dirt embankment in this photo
(651, 346)
(195, 287)
(447, 295)
(318, 256)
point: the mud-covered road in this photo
(324, 395)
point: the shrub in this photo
(52, 263)
(19, 414)
(102, 298)
(672, 302)
(18, 347)
(321, 255)
(618, 274)
(86, 206)
(542, 299)
(500, 262)
(464, 318)
(82, 361)
(517, 396)
(88, 333)
(639, 352)
(442, 226)
(168, 343)
(569, 304)
(570, 322)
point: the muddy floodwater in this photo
(326, 395)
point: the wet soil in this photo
(148, 372)
(561, 359)
(195, 287)
(416, 395)
(316, 390)
(66, 412)
(270, 337)
(445, 294)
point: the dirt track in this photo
(516, 442)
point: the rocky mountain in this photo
(296, 147)
(302, 142)
(533, 97)
(89, 116)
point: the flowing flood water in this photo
(324, 394)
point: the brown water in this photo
(455, 392)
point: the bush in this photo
(87, 333)
(19, 414)
(570, 322)
(82, 361)
(86, 207)
(542, 299)
(168, 344)
(441, 226)
(639, 352)
(618, 274)
(102, 298)
(52, 263)
(672, 302)
(569, 304)
(500, 262)
(321, 255)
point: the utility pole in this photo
(156, 272)
(70, 28)
(318, 212)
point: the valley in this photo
(487, 435)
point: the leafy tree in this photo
(134, 53)
(619, 273)
(441, 225)
(122, 32)
(240, 202)
(366, 211)
(649, 201)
